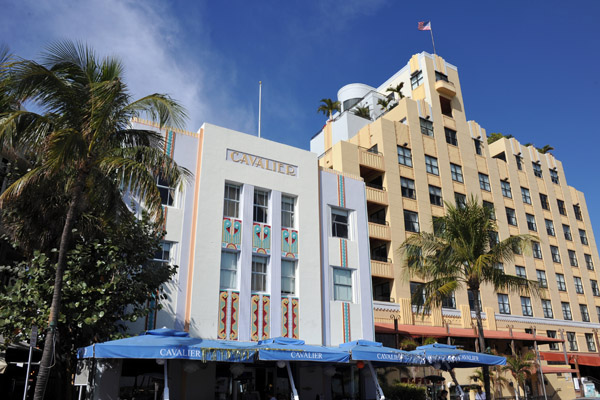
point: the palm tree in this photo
(497, 381)
(83, 133)
(363, 112)
(397, 89)
(546, 149)
(383, 103)
(328, 106)
(520, 367)
(463, 252)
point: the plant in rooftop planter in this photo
(397, 89)
(363, 112)
(383, 103)
(546, 149)
(328, 106)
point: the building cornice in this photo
(545, 321)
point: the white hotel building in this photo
(267, 244)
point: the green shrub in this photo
(405, 391)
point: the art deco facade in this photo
(423, 153)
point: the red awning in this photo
(589, 359)
(440, 331)
(551, 369)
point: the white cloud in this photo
(144, 35)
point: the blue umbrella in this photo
(366, 350)
(286, 349)
(447, 356)
(171, 344)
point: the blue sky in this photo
(210, 55)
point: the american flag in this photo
(424, 26)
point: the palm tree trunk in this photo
(485, 368)
(65, 241)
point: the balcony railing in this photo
(379, 231)
(446, 88)
(370, 159)
(382, 269)
(376, 195)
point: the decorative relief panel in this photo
(260, 307)
(231, 237)
(261, 238)
(346, 319)
(289, 243)
(289, 317)
(229, 302)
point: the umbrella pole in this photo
(378, 389)
(291, 378)
(166, 390)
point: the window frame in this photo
(583, 237)
(525, 195)
(164, 188)
(561, 207)
(561, 284)
(554, 250)
(536, 250)
(589, 261)
(554, 176)
(595, 288)
(478, 147)
(484, 182)
(547, 308)
(229, 202)
(289, 214)
(578, 283)
(456, 172)
(503, 304)
(566, 310)
(572, 340)
(235, 271)
(408, 221)
(337, 224)
(406, 189)
(585, 313)
(451, 137)
(506, 189)
(526, 308)
(567, 232)
(577, 211)
(544, 201)
(541, 278)
(549, 227)
(435, 196)
(521, 271)
(406, 157)
(292, 278)
(263, 275)
(426, 127)
(258, 208)
(519, 161)
(416, 79)
(573, 258)
(511, 216)
(590, 342)
(344, 285)
(537, 169)
(431, 165)
(531, 224)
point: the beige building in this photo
(424, 152)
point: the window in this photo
(417, 296)
(435, 195)
(342, 284)
(426, 127)
(408, 188)
(573, 259)
(431, 165)
(531, 225)
(471, 297)
(451, 136)
(525, 195)
(560, 282)
(499, 267)
(506, 192)
(598, 312)
(378, 217)
(521, 272)
(595, 290)
(404, 156)
(554, 345)
(511, 216)
(544, 201)
(572, 339)
(411, 221)
(460, 200)
(231, 204)
(416, 80)
(577, 211)
(494, 238)
(478, 148)
(519, 161)
(228, 270)
(547, 307)
(261, 206)
(503, 304)
(339, 223)
(588, 262)
(541, 277)
(449, 301)
(537, 250)
(163, 254)
(484, 182)
(440, 77)
(561, 207)
(567, 232)
(526, 306)
(591, 343)
(446, 105)
(537, 169)
(555, 254)
(585, 315)
(566, 310)
(288, 277)
(456, 171)
(287, 211)
(490, 207)
(554, 176)
(549, 227)
(167, 193)
(583, 237)
(259, 274)
(578, 284)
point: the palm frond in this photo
(160, 108)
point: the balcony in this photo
(382, 269)
(446, 88)
(371, 159)
(376, 194)
(379, 231)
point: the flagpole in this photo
(432, 42)
(259, 104)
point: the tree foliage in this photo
(363, 112)
(493, 137)
(328, 106)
